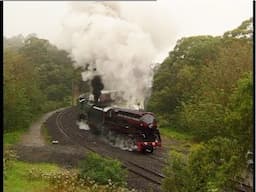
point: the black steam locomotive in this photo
(137, 128)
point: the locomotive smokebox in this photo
(97, 87)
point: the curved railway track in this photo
(136, 168)
(147, 167)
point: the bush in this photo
(9, 157)
(204, 119)
(211, 166)
(102, 170)
(177, 175)
(215, 164)
(70, 181)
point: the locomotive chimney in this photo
(97, 87)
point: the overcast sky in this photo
(187, 17)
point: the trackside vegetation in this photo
(103, 170)
(204, 89)
(37, 78)
(20, 176)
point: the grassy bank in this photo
(13, 137)
(94, 174)
(172, 133)
(41, 177)
(16, 177)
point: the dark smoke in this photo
(97, 86)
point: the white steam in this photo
(82, 125)
(119, 141)
(122, 48)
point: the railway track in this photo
(153, 176)
(242, 187)
(161, 160)
(136, 168)
(132, 167)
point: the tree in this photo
(191, 88)
(177, 177)
(176, 81)
(211, 166)
(21, 94)
(239, 118)
(37, 78)
(54, 68)
(214, 165)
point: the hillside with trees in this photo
(37, 78)
(205, 88)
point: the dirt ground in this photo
(34, 148)
(74, 147)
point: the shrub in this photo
(102, 170)
(9, 157)
(177, 175)
(71, 181)
(211, 166)
(215, 165)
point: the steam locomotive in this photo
(138, 129)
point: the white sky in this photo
(190, 17)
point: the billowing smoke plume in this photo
(121, 48)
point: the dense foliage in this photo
(212, 166)
(192, 88)
(205, 88)
(102, 170)
(37, 78)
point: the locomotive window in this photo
(147, 118)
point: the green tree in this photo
(214, 165)
(175, 81)
(211, 166)
(177, 177)
(191, 88)
(205, 86)
(244, 31)
(21, 94)
(37, 78)
(239, 118)
(54, 67)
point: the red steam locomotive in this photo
(137, 129)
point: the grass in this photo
(12, 137)
(16, 179)
(175, 134)
(181, 141)
(40, 177)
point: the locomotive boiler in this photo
(137, 128)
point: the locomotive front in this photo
(149, 134)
